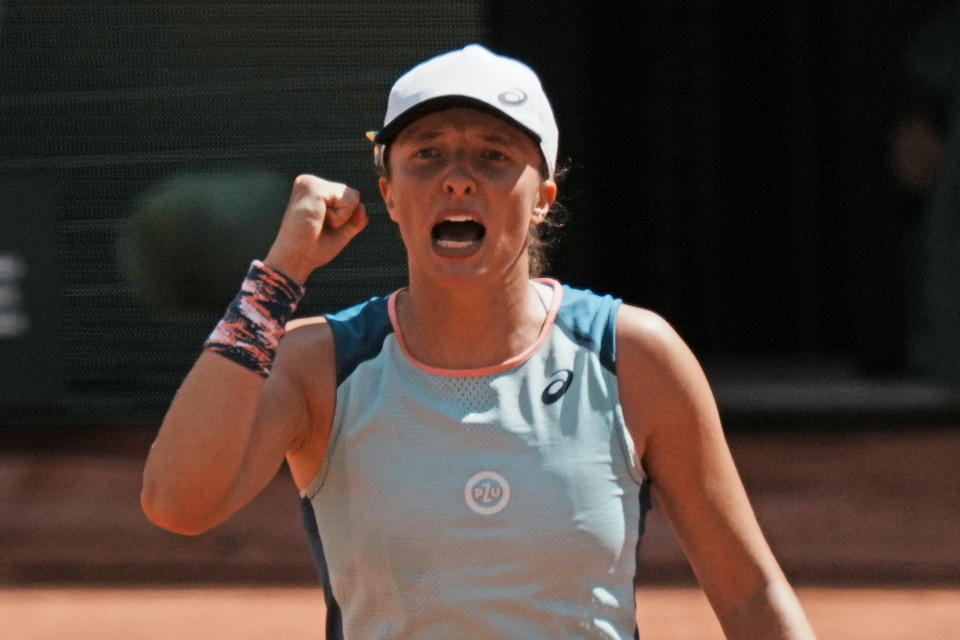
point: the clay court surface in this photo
(293, 614)
(865, 522)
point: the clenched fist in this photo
(322, 217)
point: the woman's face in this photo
(464, 187)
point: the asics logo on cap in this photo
(512, 97)
(473, 77)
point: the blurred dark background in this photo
(729, 169)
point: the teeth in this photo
(455, 244)
(460, 219)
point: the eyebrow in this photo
(425, 134)
(428, 134)
(501, 139)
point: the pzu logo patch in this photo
(487, 493)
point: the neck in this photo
(469, 325)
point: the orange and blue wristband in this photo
(250, 330)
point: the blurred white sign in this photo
(13, 318)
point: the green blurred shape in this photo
(192, 236)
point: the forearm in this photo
(772, 613)
(201, 446)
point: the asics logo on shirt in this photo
(558, 386)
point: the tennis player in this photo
(472, 451)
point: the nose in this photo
(459, 181)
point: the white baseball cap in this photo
(474, 77)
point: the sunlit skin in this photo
(455, 164)
(466, 162)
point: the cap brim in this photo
(389, 133)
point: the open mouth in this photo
(458, 235)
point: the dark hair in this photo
(545, 236)
(540, 238)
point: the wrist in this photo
(253, 324)
(292, 267)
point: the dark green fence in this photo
(101, 101)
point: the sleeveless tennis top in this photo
(503, 502)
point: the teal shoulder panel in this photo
(359, 333)
(590, 320)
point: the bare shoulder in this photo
(301, 323)
(662, 385)
(304, 340)
(648, 344)
(306, 355)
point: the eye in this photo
(494, 155)
(427, 153)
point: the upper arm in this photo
(673, 418)
(295, 408)
(306, 364)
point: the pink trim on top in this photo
(514, 361)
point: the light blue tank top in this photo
(504, 502)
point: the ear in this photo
(546, 196)
(387, 194)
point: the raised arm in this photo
(231, 423)
(672, 416)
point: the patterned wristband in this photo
(250, 330)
